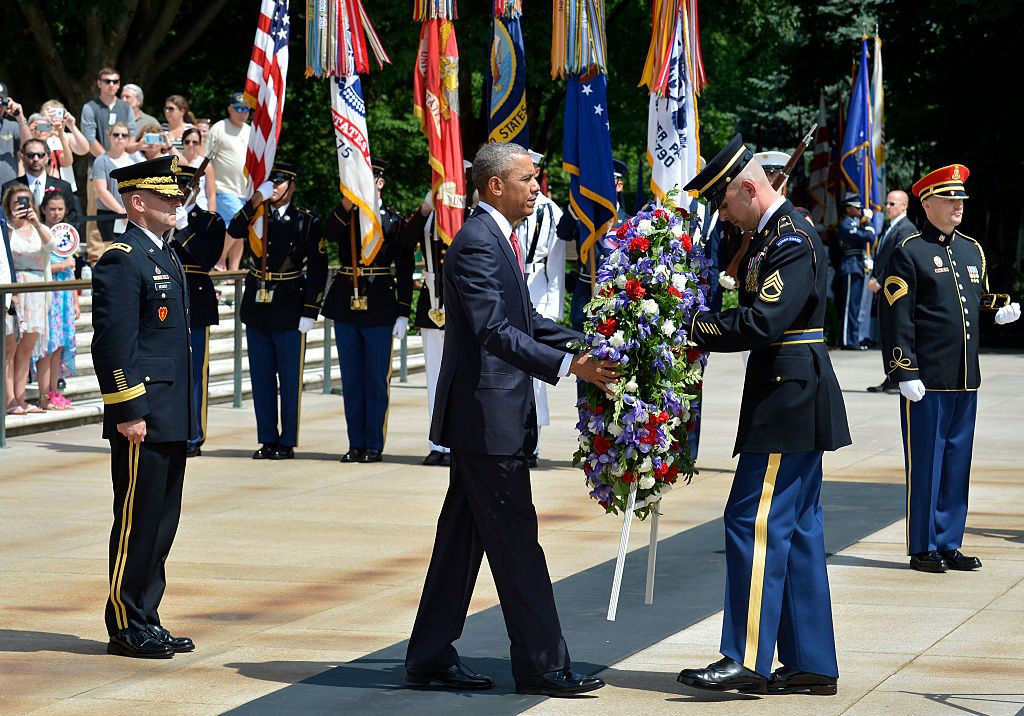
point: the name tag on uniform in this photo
(163, 286)
(943, 269)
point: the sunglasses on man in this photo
(120, 135)
(34, 155)
(111, 80)
(240, 109)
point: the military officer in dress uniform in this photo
(544, 259)
(140, 349)
(367, 321)
(198, 243)
(792, 410)
(935, 282)
(856, 234)
(279, 306)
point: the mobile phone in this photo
(152, 138)
(23, 202)
(44, 127)
(58, 113)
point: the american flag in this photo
(264, 91)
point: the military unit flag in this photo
(823, 203)
(878, 126)
(348, 113)
(506, 82)
(857, 162)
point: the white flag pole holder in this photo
(652, 554)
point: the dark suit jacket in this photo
(74, 209)
(495, 342)
(903, 230)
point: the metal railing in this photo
(237, 277)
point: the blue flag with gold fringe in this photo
(506, 83)
(587, 157)
(857, 162)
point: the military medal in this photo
(437, 316)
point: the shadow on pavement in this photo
(848, 560)
(949, 700)
(1006, 534)
(17, 641)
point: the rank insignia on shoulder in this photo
(895, 288)
(771, 289)
(119, 246)
(788, 239)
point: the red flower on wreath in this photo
(693, 355)
(629, 476)
(687, 243)
(661, 214)
(639, 244)
(621, 231)
(607, 327)
(649, 437)
(601, 444)
(673, 291)
(635, 290)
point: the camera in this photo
(152, 138)
(23, 202)
(44, 127)
(58, 113)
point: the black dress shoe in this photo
(446, 459)
(724, 675)
(138, 644)
(353, 455)
(193, 451)
(561, 682)
(372, 455)
(456, 676)
(928, 562)
(787, 680)
(283, 452)
(434, 458)
(178, 644)
(955, 559)
(531, 461)
(266, 452)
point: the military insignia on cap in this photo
(956, 173)
(771, 289)
(895, 288)
(161, 312)
(174, 164)
(937, 260)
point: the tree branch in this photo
(117, 32)
(53, 63)
(142, 58)
(184, 41)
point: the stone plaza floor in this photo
(299, 580)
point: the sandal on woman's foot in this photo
(31, 409)
(15, 410)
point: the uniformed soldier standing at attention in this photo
(280, 307)
(198, 246)
(929, 320)
(140, 349)
(856, 234)
(792, 410)
(366, 323)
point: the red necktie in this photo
(514, 240)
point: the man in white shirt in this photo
(226, 145)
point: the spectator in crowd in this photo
(203, 125)
(13, 131)
(30, 243)
(55, 356)
(98, 118)
(226, 145)
(108, 200)
(35, 158)
(7, 275)
(191, 144)
(179, 118)
(152, 146)
(65, 143)
(134, 97)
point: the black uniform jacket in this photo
(415, 233)
(890, 240)
(928, 313)
(495, 342)
(140, 346)
(386, 283)
(297, 267)
(199, 247)
(791, 398)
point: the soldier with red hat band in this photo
(929, 316)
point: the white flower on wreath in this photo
(646, 482)
(644, 227)
(668, 328)
(617, 340)
(631, 386)
(646, 466)
(678, 281)
(614, 429)
(620, 281)
(677, 230)
(661, 270)
(613, 258)
(649, 305)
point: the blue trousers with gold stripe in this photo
(276, 361)
(364, 353)
(200, 381)
(938, 439)
(147, 480)
(776, 584)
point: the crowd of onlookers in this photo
(38, 155)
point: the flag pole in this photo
(264, 242)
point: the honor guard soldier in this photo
(544, 260)
(370, 306)
(140, 348)
(856, 234)
(283, 293)
(936, 281)
(198, 243)
(792, 410)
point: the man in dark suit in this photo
(495, 343)
(35, 157)
(140, 348)
(900, 228)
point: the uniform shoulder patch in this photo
(119, 246)
(771, 289)
(894, 288)
(789, 239)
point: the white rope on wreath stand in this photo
(620, 559)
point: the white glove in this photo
(1008, 314)
(726, 281)
(305, 324)
(266, 190)
(401, 327)
(868, 214)
(869, 264)
(912, 390)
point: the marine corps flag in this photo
(506, 82)
(348, 113)
(436, 105)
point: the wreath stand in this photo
(652, 554)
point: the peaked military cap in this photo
(772, 161)
(945, 183)
(712, 181)
(156, 175)
(283, 171)
(853, 200)
(535, 157)
(620, 168)
(378, 166)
